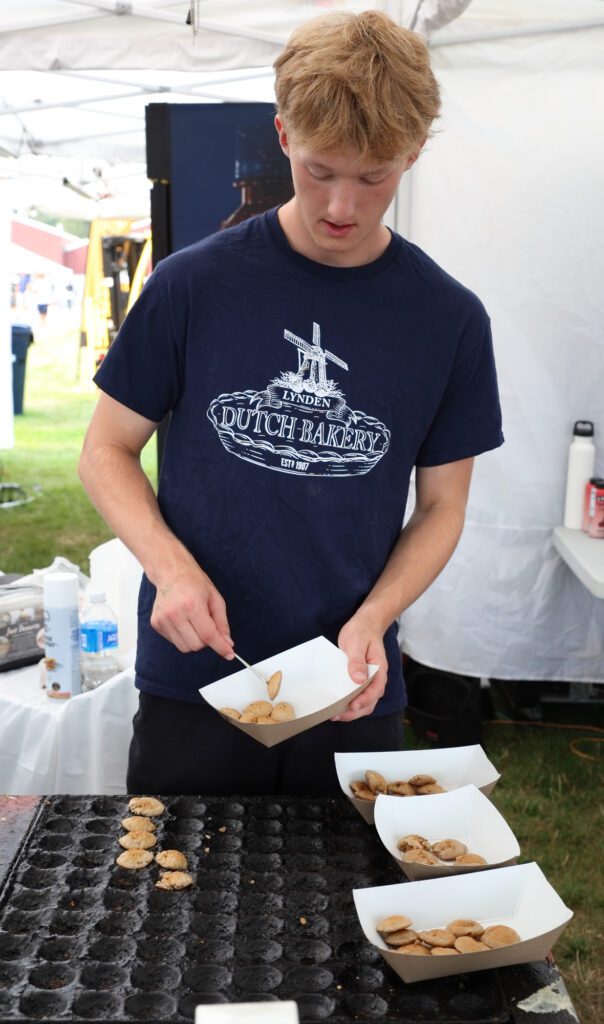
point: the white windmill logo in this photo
(313, 358)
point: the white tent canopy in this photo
(57, 99)
(507, 197)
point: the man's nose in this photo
(342, 203)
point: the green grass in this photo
(58, 405)
(552, 799)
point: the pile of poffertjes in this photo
(417, 850)
(375, 783)
(264, 712)
(460, 936)
(139, 840)
(463, 935)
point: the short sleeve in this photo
(143, 367)
(468, 418)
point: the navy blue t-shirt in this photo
(302, 395)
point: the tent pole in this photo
(515, 33)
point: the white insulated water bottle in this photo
(62, 634)
(581, 460)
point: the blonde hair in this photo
(359, 81)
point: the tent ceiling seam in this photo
(136, 10)
(62, 19)
(515, 33)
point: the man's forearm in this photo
(122, 494)
(423, 549)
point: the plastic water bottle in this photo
(98, 642)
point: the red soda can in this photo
(594, 493)
(587, 504)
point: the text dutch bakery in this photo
(298, 428)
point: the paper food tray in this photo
(465, 814)
(518, 896)
(315, 682)
(452, 767)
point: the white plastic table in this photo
(72, 746)
(584, 555)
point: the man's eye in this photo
(318, 177)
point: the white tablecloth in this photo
(74, 746)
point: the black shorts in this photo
(182, 748)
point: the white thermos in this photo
(581, 460)
(62, 634)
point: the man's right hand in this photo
(191, 613)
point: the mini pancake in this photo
(231, 713)
(401, 938)
(400, 788)
(429, 789)
(282, 712)
(273, 684)
(466, 944)
(420, 857)
(414, 949)
(449, 849)
(437, 937)
(172, 859)
(174, 880)
(134, 859)
(394, 923)
(413, 843)
(258, 708)
(422, 780)
(499, 935)
(443, 951)
(470, 859)
(137, 840)
(465, 926)
(146, 805)
(138, 824)
(362, 791)
(376, 782)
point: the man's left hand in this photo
(363, 644)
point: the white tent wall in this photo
(6, 370)
(509, 200)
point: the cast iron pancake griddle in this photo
(270, 916)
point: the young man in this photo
(310, 359)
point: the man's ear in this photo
(413, 157)
(283, 142)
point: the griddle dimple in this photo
(103, 977)
(208, 978)
(15, 947)
(21, 923)
(62, 841)
(98, 1006)
(47, 861)
(173, 924)
(11, 975)
(68, 922)
(52, 976)
(37, 1004)
(25, 899)
(155, 977)
(270, 916)
(98, 842)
